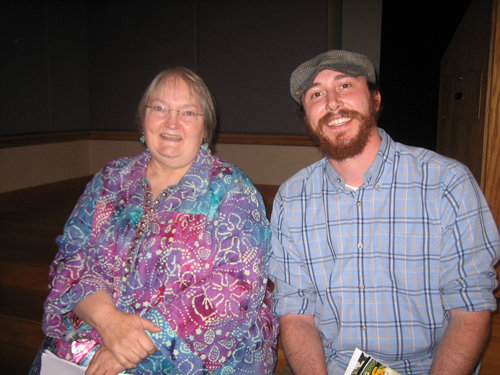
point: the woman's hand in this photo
(104, 363)
(122, 334)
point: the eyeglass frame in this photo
(167, 110)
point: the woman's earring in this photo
(142, 139)
(204, 145)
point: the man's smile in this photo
(339, 121)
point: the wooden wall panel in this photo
(491, 176)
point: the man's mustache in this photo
(341, 113)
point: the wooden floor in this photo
(29, 222)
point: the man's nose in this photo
(334, 102)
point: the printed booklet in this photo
(364, 364)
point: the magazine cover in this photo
(364, 364)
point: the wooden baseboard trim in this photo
(222, 138)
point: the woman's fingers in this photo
(104, 363)
(124, 335)
(150, 326)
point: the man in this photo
(379, 246)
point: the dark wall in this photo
(83, 64)
(415, 35)
(43, 66)
(129, 43)
(247, 50)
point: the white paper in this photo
(53, 365)
(353, 362)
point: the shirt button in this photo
(360, 245)
(363, 328)
(358, 203)
(339, 180)
(361, 286)
(377, 187)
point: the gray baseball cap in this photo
(351, 63)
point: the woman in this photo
(162, 266)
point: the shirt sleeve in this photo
(294, 292)
(217, 320)
(73, 275)
(470, 246)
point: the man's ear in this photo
(378, 99)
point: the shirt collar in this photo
(373, 174)
(196, 178)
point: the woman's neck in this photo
(160, 178)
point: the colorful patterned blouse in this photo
(194, 261)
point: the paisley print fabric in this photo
(194, 261)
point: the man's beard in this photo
(342, 148)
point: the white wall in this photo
(100, 152)
(26, 166)
(270, 165)
(264, 164)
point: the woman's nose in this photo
(172, 119)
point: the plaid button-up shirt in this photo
(380, 267)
